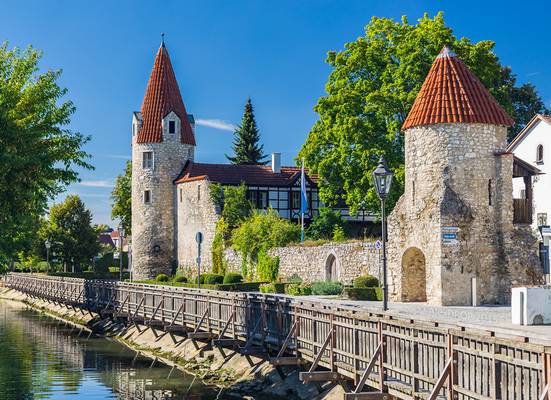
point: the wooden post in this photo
(452, 378)
(546, 378)
(381, 338)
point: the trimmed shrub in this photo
(273, 287)
(240, 287)
(162, 278)
(366, 294)
(326, 288)
(366, 281)
(232, 277)
(299, 289)
(213, 279)
(180, 279)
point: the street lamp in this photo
(48, 244)
(382, 177)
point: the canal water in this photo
(42, 358)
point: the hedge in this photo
(232, 277)
(275, 287)
(228, 287)
(324, 288)
(366, 294)
(366, 281)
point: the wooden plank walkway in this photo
(374, 354)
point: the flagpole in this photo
(302, 227)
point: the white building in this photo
(533, 144)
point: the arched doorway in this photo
(331, 273)
(414, 275)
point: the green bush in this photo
(239, 287)
(299, 289)
(267, 267)
(232, 277)
(326, 288)
(180, 279)
(218, 266)
(366, 281)
(322, 225)
(338, 234)
(274, 287)
(162, 278)
(213, 279)
(366, 294)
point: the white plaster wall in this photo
(526, 150)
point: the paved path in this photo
(496, 319)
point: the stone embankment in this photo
(232, 373)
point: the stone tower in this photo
(162, 141)
(450, 232)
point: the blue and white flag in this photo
(303, 197)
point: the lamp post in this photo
(48, 244)
(382, 178)
(121, 238)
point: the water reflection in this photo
(41, 358)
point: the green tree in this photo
(246, 147)
(323, 225)
(122, 199)
(370, 90)
(261, 232)
(70, 230)
(38, 154)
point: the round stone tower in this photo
(162, 141)
(449, 230)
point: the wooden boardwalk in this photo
(373, 354)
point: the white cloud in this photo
(216, 124)
(120, 156)
(533, 73)
(97, 184)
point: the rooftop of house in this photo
(231, 174)
(527, 129)
(451, 93)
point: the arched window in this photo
(539, 154)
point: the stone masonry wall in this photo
(154, 224)
(310, 262)
(196, 213)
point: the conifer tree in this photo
(246, 147)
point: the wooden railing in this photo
(522, 211)
(405, 358)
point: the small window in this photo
(523, 193)
(490, 192)
(542, 219)
(539, 154)
(147, 162)
(147, 196)
(413, 192)
(171, 126)
(295, 200)
(133, 129)
(198, 192)
(181, 195)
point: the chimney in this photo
(276, 163)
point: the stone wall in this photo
(313, 263)
(153, 224)
(196, 213)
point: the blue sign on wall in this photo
(449, 235)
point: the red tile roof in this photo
(451, 93)
(161, 97)
(231, 174)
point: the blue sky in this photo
(224, 51)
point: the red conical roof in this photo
(161, 97)
(451, 93)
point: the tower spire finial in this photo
(162, 40)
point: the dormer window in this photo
(539, 154)
(171, 126)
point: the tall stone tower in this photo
(450, 232)
(162, 141)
